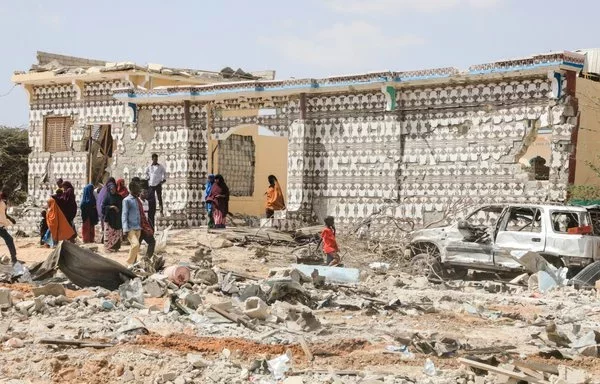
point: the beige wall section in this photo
(588, 140)
(271, 159)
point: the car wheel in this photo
(428, 265)
(459, 272)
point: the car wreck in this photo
(566, 236)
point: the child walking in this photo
(330, 246)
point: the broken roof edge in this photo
(538, 64)
(62, 68)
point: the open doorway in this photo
(246, 156)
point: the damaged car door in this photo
(521, 228)
(470, 243)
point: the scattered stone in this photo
(14, 343)
(5, 298)
(170, 376)
(220, 243)
(206, 276)
(24, 306)
(255, 308)
(253, 290)
(197, 360)
(203, 257)
(193, 301)
(127, 376)
(119, 370)
(226, 353)
(154, 288)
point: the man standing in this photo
(157, 175)
(135, 225)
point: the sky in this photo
(300, 38)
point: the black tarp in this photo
(82, 267)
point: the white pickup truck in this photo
(564, 235)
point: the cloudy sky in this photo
(305, 38)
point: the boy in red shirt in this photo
(330, 246)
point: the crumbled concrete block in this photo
(153, 288)
(256, 308)
(24, 306)
(193, 300)
(169, 376)
(572, 375)
(197, 360)
(206, 276)
(52, 289)
(5, 298)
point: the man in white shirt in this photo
(157, 175)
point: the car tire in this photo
(427, 265)
(459, 273)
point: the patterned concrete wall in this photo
(91, 103)
(440, 146)
(347, 153)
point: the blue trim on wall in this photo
(331, 84)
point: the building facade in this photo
(342, 146)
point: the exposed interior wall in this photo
(271, 154)
(456, 153)
(588, 141)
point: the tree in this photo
(14, 152)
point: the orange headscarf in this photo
(275, 197)
(57, 223)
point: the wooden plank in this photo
(233, 317)
(306, 348)
(550, 369)
(501, 371)
(75, 343)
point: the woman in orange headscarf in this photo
(275, 200)
(59, 226)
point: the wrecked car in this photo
(566, 236)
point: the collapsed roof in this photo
(70, 65)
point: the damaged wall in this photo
(465, 142)
(85, 104)
(588, 145)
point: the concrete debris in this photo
(331, 274)
(52, 289)
(5, 298)
(379, 267)
(206, 276)
(256, 308)
(132, 292)
(228, 320)
(154, 288)
(203, 257)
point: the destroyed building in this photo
(516, 130)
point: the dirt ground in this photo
(355, 340)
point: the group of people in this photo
(128, 214)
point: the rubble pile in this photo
(220, 314)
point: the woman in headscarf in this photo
(208, 205)
(111, 208)
(67, 204)
(58, 225)
(100, 200)
(275, 200)
(89, 214)
(219, 198)
(122, 189)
